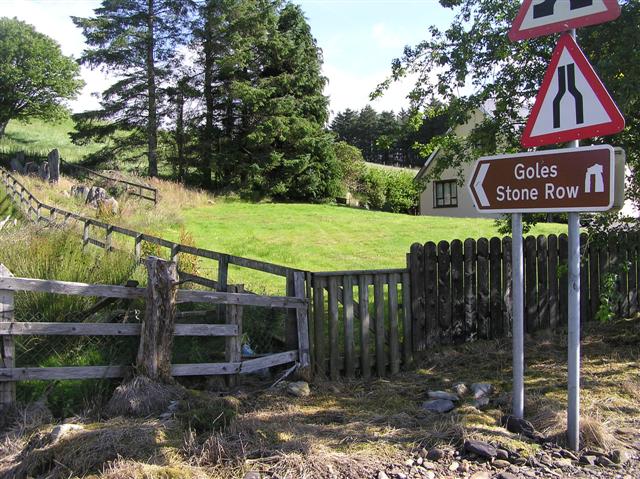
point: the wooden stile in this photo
(530, 285)
(507, 296)
(584, 279)
(470, 313)
(613, 267)
(365, 325)
(304, 348)
(407, 342)
(457, 292)
(633, 274)
(233, 344)
(594, 280)
(554, 310)
(563, 267)
(7, 344)
(484, 305)
(544, 320)
(495, 272)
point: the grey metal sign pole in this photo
(573, 405)
(517, 314)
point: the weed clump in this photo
(203, 412)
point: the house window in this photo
(445, 194)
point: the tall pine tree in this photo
(135, 40)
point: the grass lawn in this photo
(40, 137)
(322, 237)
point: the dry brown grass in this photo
(142, 397)
(355, 428)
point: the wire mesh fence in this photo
(263, 332)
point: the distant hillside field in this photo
(40, 137)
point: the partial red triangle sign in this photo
(552, 16)
(572, 103)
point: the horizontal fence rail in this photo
(145, 192)
(35, 211)
(231, 331)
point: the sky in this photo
(359, 39)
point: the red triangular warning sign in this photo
(572, 102)
(551, 16)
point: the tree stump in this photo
(156, 336)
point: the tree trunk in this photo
(208, 134)
(180, 130)
(152, 120)
(156, 336)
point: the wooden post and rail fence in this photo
(377, 322)
(156, 331)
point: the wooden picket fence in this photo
(365, 316)
(461, 291)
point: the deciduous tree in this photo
(35, 77)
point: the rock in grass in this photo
(481, 389)
(62, 430)
(460, 389)
(518, 426)
(435, 454)
(252, 475)
(605, 462)
(481, 449)
(299, 389)
(443, 395)
(588, 460)
(620, 456)
(438, 405)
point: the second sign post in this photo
(572, 104)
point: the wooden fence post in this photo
(233, 344)
(291, 318)
(303, 325)
(85, 233)
(7, 345)
(137, 248)
(156, 336)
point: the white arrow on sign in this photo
(482, 196)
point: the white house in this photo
(444, 197)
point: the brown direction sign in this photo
(570, 179)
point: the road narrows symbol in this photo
(562, 89)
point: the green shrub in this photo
(351, 165)
(389, 190)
